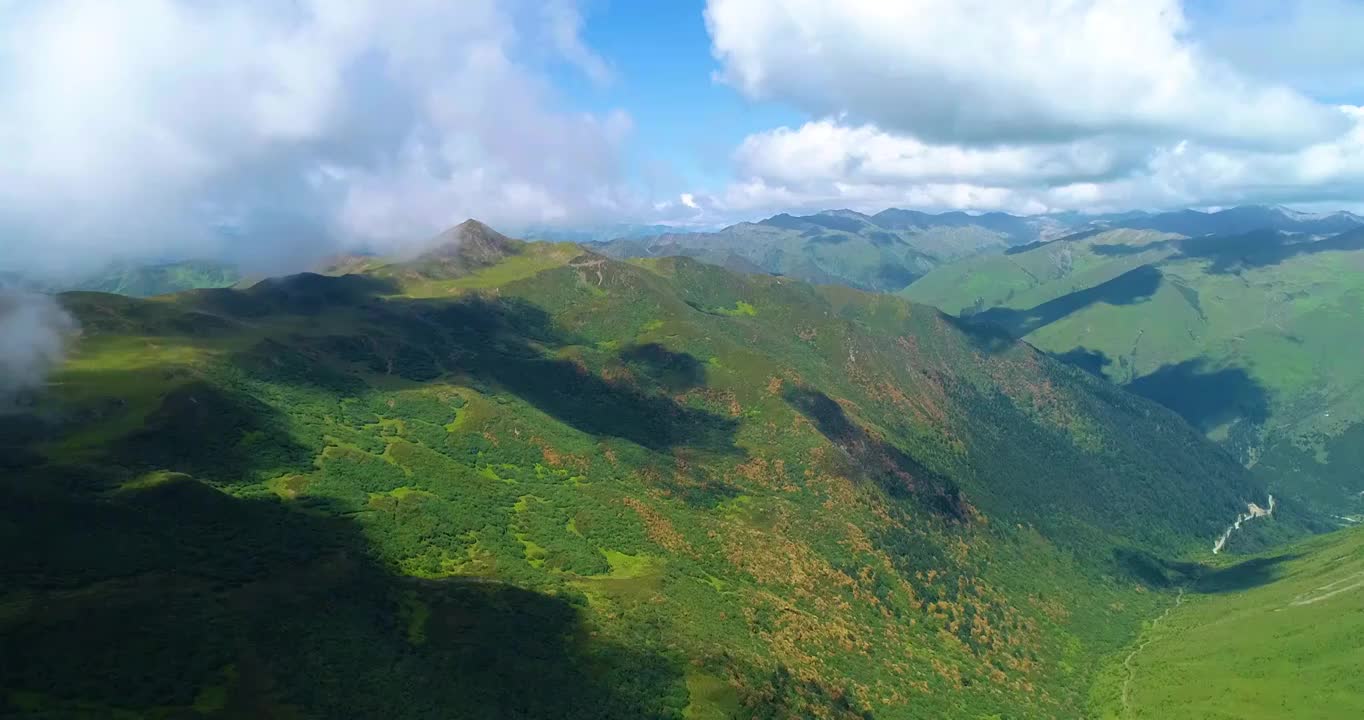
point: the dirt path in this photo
(1131, 671)
(1330, 590)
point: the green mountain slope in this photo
(886, 251)
(524, 480)
(1275, 636)
(1252, 338)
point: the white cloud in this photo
(1035, 106)
(826, 150)
(979, 71)
(824, 164)
(134, 126)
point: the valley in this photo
(503, 477)
(1246, 336)
(690, 360)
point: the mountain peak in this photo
(470, 239)
(465, 247)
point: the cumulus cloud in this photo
(148, 126)
(33, 334)
(824, 164)
(826, 150)
(1038, 105)
(988, 72)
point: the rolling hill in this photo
(1251, 337)
(507, 479)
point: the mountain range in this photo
(133, 278)
(496, 478)
(891, 249)
(508, 479)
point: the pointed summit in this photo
(463, 249)
(471, 240)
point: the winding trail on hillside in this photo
(1127, 664)
(1252, 511)
(1330, 590)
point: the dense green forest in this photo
(523, 480)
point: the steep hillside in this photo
(524, 480)
(1253, 338)
(1275, 636)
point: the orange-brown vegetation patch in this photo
(659, 528)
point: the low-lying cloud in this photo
(34, 331)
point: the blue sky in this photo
(687, 124)
(260, 128)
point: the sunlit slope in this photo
(1276, 636)
(1251, 338)
(522, 480)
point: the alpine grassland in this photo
(509, 480)
(1278, 635)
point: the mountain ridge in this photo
(642, 489)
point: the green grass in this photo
(1283, 637)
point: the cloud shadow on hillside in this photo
(894, 470)
(1205, 398)
(151, 598)
(1234, 253)
(1130, 288)
(1074, 237)
(1242, 576)
(1091, 361)
(1198, 577)
(506, 343)
(674, 371)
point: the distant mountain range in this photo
(594, 233)
(886, 251)
(135, 279)
(891, 249)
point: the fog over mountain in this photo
(34, 330)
